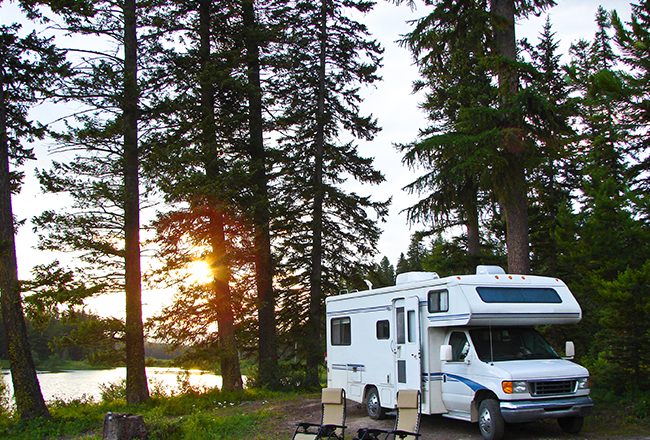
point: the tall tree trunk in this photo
(137, 390)
(268, 354)
(27, 391)
(514, 192)
(219, 266)
(314, 325)
(472, 223)
(228, 353)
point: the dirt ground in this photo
(438, 427)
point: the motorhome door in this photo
(406, 318)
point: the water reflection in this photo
(74, 384)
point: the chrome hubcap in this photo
(373, 404)
(485, 422)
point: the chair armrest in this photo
(303, 428)
(403, 434)
(329, 431)
(306, 424)
(370, 433)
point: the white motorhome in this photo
(468, 343)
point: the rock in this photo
(120, 426)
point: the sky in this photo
(391, 102)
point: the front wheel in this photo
(490, 420)
(373, 405)
(571, 425)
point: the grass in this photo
(195, 415)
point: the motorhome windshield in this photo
(510, 344)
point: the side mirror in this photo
(570, 350)
(445, 353)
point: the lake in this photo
(74, 384)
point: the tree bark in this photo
(27, 390)
(314, 324)
(220, 268)
(472, 224)
(267, 356)
(514, 191)
(137, 390)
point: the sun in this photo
(199, 272)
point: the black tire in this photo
(490, 420)
(373, 405)
(571, 425)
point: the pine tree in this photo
(28, 68)
(327, 56)
(552, 181)
(103, 178)
(449, 46)
(382, 274)
(481, 124)
(195, 162)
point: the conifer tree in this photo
(381, 275)
(552, 181)
(450, 45)
(197, 164)
(29, 66)
(327, 57)
(103, 178)
(491, 126)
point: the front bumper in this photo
(521, 411)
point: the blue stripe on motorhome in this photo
(439, 377)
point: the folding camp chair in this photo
(332, 423)
(407, 424)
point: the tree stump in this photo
(120, 426)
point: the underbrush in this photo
(195, 414)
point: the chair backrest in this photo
(408, 412)
(333, 400)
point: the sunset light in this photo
(199, 272)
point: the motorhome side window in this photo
(438, 301)
(399, 324)
(519, 295)
(411, 325)
(341, 331)
(383, 329)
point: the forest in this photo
(226, 133)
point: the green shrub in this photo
(113, 391)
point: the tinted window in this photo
(438, 301)
(383, 329)
(518, 295)
(341, 331)
(459, 346)
(510, 344)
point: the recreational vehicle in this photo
(468, 343)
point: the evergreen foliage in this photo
(29, 70)
(326, 58)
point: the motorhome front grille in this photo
(553, 388)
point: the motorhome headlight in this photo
(514, 387)
(584, 383)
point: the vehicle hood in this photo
(541, 369)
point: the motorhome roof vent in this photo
(489, 270)
(414, 277)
